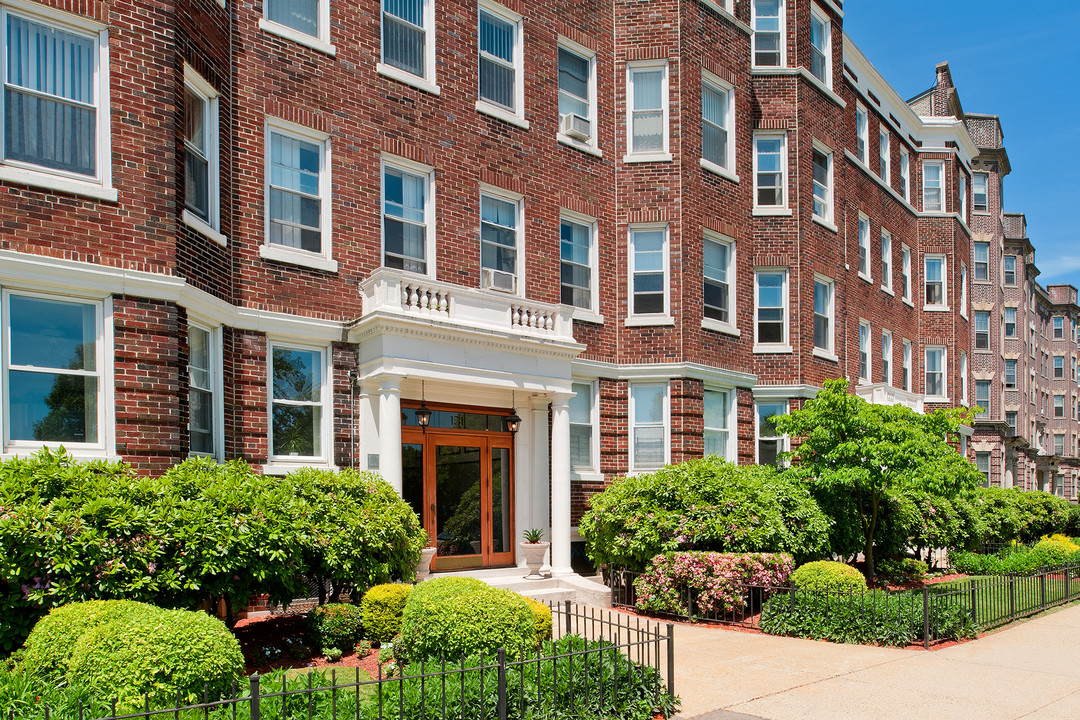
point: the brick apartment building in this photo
(573, 239)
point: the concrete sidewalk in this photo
(1031, 671)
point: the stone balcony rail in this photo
(396, 292)
(885, 394)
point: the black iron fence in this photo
(925, 615)
(600, 664)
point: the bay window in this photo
(718, 276)
(933, 183)
(770, 170)
(934, 273)
(770, 308)
(649, 271)
(647, 109)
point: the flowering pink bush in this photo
(717, 581)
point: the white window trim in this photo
(582, 472)
(824, 19)
(644, 319)
(13, 171)
(864, 221)
(944, 396)
(907, 352)
(413, 168)
(654, 156)
(964, 379)
(944, 305)
(963, 290)
(962, 193)
(592, 313)
(633, 469)
(211, 228)
(905, 260)
(781, 347)
(590, 145)
(731, 327)
(784, 208)
(862, 134)
(217, 390)
(518, 202)
(829, 352)
(785, 444)
(320, 42)
(865, 325)
(725, 88)
(427, 81)
(885, 136)
(886, 261)
(941, 195)
(905, 172)
(827, 219)
(783, 38)
(731, 448)
(324, 459)
(295, 256)
(516, 115)
(105, 448)
(887, 357)
(975, 210)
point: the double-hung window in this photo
(1010, 322)
(717, 123)
(886, 260)
(718, 270)
(963, 291)
(963, 379)
(577, 263)
(770, 305)
(905, 174)
(770, 170)
(54, 108)
(649, 413)
(979, 195)
(905, 365)
(201, 174)
(823, 184)
(935, 372)
(1059, 406)
(500, 242)
(299, 415)
(1059, 450)
(53, 375)
(982, 261)
(407, 222)
(500, 60)
(883, 155)
(582, 425)
(886, 357)
(961, 189)
(203, 393)
(717, 422)
(933, 179)
(577, 94)
(1059, 328)
(408, 37)
(982, 398)
(1073, 368)
(864, 247)
(297, 192)
(1059, 367)
(768, 27)
(982, 330)
(770, 443)
(303, 21)
(934, 275)
(649, 271)
(861, 137)
(823, 315)
(1010, 374)
(982, 462)
(1009, 269)
(821, 47)
(864, 351)
(647, 109)
(905, 272)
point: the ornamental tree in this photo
(868, 453)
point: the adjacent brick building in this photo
(498, 252)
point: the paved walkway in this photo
(1031, 671)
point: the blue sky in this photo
(1015, 60)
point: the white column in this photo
(523, 483)
(390, 430)
(560, 483)
(540, 499)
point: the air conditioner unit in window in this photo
(576, 127)
(498, 280)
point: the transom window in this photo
(820, 47)
(648, 271)
(717, 279)
(770, 163)
(823, 184)
(933, 178)
(298, 409)
(982, 261)
(648, 107)
(979, 185)
(823, 314)
(500, 225)
(649, 433)
(500, 58)
(717, 118)
(407, 36)
(406, 221)
(717, 413)
(768, 26)
(771, 307)
(297, 184)
(576, 269)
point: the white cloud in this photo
(1057, 266)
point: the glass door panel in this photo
(412, 481)
(458, 512)
(501, 541)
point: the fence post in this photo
(502, 683)
(255, 697)
(1012, 597)
(974, 607)
(926, 617)
(566, 607)
(671, 659)
(791, 594)
(1042, 590)
(612, 588)
(1068, 582)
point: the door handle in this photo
(432, 507)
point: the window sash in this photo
(982, 261)
(575, 84)
(932, 186)
(405, 221)
(1009, 269)
(822, 184)
(300, 15)
(982, 330)
(647, 103)
(905, 272)
(906, 366)
(769, 443)
(823, 311)
(716, 264)
(1010, 322)
(886, 357)
(295, 185)
(819, 48)
(767, 26)
(497, 60)
(575, 252)
(499, 234)
(883, 155)
(715, 118)
(982, 397)
(861, 139)
(716, 434)
(1010, 374)
(935, 281)
(864, 352)
(771, 311)
(201, 405)
(979, 195)
(886, 260)
(404, 37)
(581, 426)
(905, 173)
(935, 372)
(649, 426)
(297, 407)
(864, 246)
(769, 164)
(648, 270)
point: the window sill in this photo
(587, 316)
(772, 349)
(717, 7)
(719, 170)
(825, 355)
(284, 467)
(649, 321)
(586, 475)
(403, 76)
(907, 301)
(888, 291)
(825, 223)
(579, 145)
(486, 108)
(647, 157)
(283, 31)
(203, 228)
(59, 184)
(297, 257)
(720, 327)
(867, 278)
(937, 399)
(935, 308)
(772, 212)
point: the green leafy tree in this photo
(867, 453)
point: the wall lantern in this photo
(513, 422)
(423, 414)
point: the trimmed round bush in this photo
(542, 616)
(381, 608)
(828, 575)
(456, 616)
(48, 649)
(1055, 551)
(157, 654)
(335, 625)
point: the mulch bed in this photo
(278, 641)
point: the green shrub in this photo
(157, 654)
(689, 583)
(48, 648)
(1055, 551)
(542, 616)
(706, 504)
(382, 608)
(335, 625)
(1018, 560)
(828, 575)
(901, 571)
(457, 616)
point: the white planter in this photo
(423, 568)
(534, 558)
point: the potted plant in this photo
(535, 549)
(423, 568)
